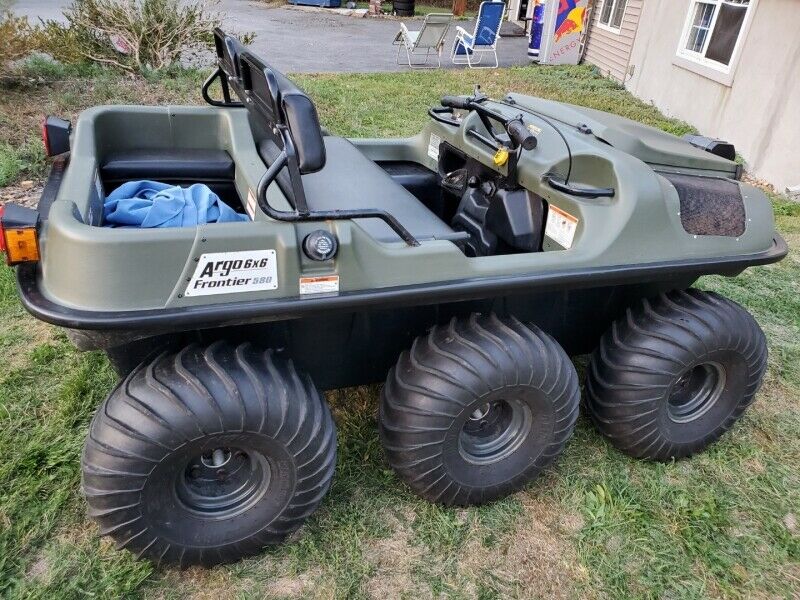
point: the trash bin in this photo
(403, 8)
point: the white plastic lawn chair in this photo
(426, 42)
(469, 48)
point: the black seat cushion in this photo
(350, 181)
(168, 165)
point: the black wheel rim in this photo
(494, 431)
(696, 392)
(223, 482)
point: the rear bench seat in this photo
(167, 165)
(177, 166)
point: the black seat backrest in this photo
(228, 50)
(277, 101)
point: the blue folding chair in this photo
(469, 48)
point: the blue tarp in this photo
(154, 204)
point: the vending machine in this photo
(563, 24)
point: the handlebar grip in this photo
(459, 102)
(521, 136)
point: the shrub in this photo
(17, 38)
(132, 35)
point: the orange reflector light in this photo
(21, 245)
(18, 233)
(2, 234)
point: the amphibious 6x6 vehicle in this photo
(461, 266)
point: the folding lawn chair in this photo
(468, 49)
(429, 40)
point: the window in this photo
(611, 14)
(713, 31)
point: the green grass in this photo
(723, 524)
(25, 160)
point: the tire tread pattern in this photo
(447, 370)
(641, 354)
(178, 398)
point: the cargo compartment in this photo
(159, 144)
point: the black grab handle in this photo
(459, 102)
(521, 135)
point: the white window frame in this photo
(696, 61)
(608, 26)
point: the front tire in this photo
(476, 409)
(208, 455)
(675, 373)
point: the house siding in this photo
(758, 111)
(609, 51)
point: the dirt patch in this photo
(224, 583)
(82, 535)
(39, 569)
(36, 333)
(774, 398)
(535, 560)
(200, 584)
(538, 555)
(25, 193)
(394, 559)
(303, 585)
(790, 522)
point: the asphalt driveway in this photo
(301, 41)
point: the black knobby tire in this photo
(675, 373)
(154, 483)
(476, 409)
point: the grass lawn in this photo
(723, 524)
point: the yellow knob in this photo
(501, 156)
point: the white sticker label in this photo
(319, 285)
(250, 207)
(561, 226)
(234, 272)
(433, 146)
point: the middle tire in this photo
(476, 409)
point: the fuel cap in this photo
(320, 245)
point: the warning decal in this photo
(234, 272)
(319, 285)
(433, 146)
(561, 226)
(250, 206)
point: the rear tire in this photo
(476, 409)
(208, 455)
(675, 373)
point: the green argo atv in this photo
(461, 266)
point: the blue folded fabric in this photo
(155, 204)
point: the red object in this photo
(568, 26)
(45, 137)
(2, 231)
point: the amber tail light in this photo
(19, 234)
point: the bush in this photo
(17, 38)
(132, 35)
